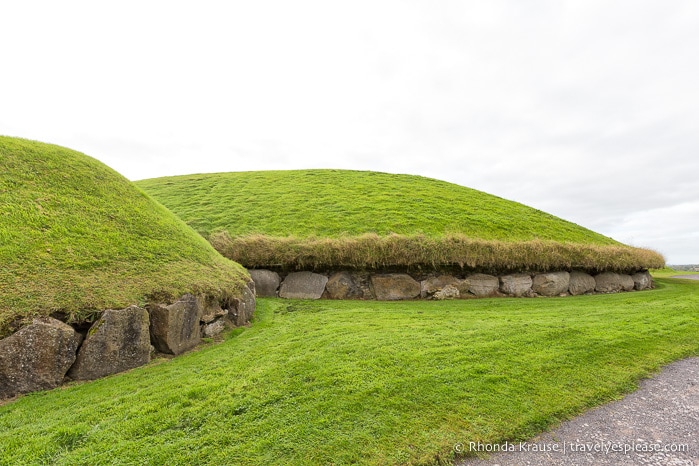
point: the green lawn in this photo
(352, 382)
(76, 237)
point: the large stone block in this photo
(581, 283)
(266, 282)
(642, 281)
(37, 357)
(481, 284)
(627, 282)
(244, 307)
(519, 284)
(342, 285)
(394, 286)
(551, 284)
(610, 282)
(116, 342)
(175, 329)
(303, 285)
(431, 285)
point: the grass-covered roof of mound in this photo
(76, 237)
(341, 218)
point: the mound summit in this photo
(324, 219)
(76, 238)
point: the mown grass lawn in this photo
(351, 382)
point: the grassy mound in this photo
(341, 218)
(76, 237)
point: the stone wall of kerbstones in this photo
(46, 353)
(399, 286)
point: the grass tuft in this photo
(371, 251)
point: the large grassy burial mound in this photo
(354, 219)
(76, 238)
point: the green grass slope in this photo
(331, 218)
(76, 237)
(332, 203)
(363, 382)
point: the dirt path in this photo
(663, 414)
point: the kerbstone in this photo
(551, 284)
(37, 357)
(244, 307)
(481, 284)
(642, 281)
(266, 282)
(303, 285)
(342, 285)
(118, 341)
(611, 282)
(581, 283)
(175, 329)
(516, 284)
(394, 287)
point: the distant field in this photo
(365, 383)
(668, 272)
(338, 218)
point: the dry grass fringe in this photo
(371, 251)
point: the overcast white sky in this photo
(585, 109)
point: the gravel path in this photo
(662, 414)
(690, 277)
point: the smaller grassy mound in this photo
(341, 218)
(76, 237)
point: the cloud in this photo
(585, 109)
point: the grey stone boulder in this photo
(244, 306)
(581, 283)
(642, 281)
(611, 282)
(266, 282)
(551, 284)
(394, 286)
(431, 285)
(213, 329)
(118, 341)
(481, 284)
(627, 282)
(342, 285)
(37, 357)
(448, 292)
(175, 329)
(303, 285)
(519, 284)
